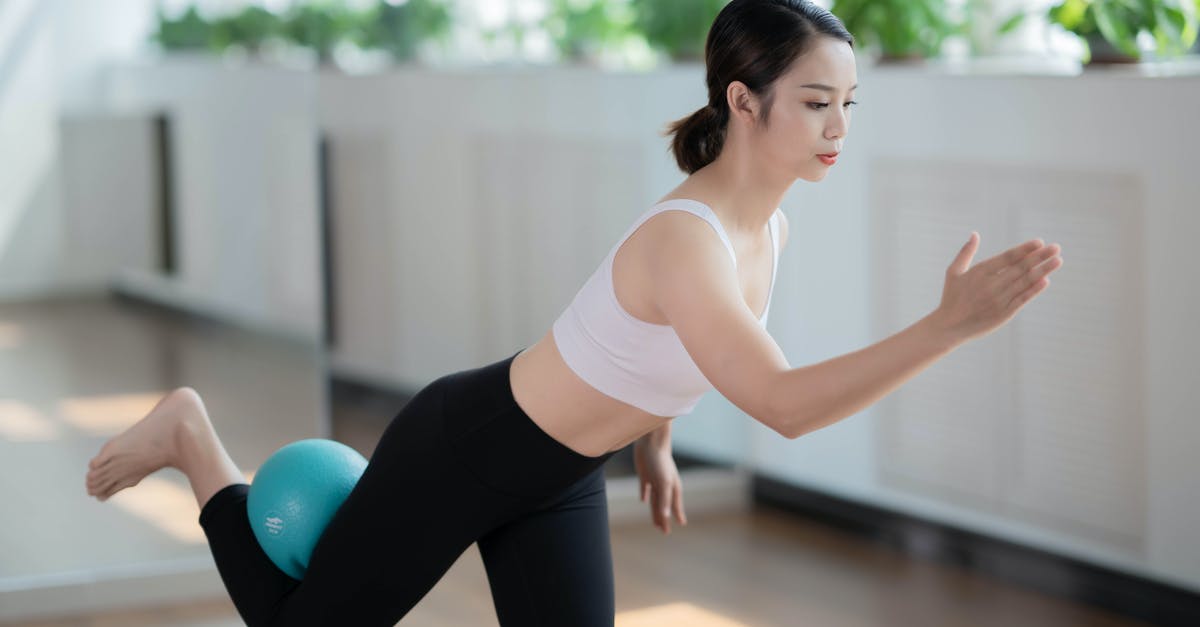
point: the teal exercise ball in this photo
(295, 494)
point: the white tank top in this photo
(638, 362)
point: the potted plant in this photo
(189, 31)
(902, 30)
(1110, 28)
(249, 28)
(319, 26)
(677, 27)
(399, 29)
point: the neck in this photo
(746, 191)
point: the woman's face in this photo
(810, 111)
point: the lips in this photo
(828, 159)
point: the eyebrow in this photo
(823, 87)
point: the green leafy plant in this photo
(400, 29)
(188, 32)
(978, 21)
(581, 28)
(1196, 44)
(1172, 23)
(249, 28)
(319, 26)
(899, 29)
(677, 27)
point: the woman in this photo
(509, 455)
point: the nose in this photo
(838, 127)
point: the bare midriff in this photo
(570, 410)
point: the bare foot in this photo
(149, 445)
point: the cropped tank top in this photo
(641, 363)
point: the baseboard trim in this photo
(1049, 573)
(708, 491)
(166, 294)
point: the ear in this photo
(743, 104)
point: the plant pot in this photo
(1104, 53)
(910, 58)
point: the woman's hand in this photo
(658, 480)
(976, 301)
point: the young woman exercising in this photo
(509, 454)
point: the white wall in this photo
(30, 207)
(458, 156)
(48, 55)
(108, 195)
(504, 189)
(78, 194)
(244, 162)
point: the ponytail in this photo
(698, 137)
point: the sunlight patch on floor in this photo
(674, 614)
(22, 422)
(11, 335)
(166, 505)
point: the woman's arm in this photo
(698, 290)
(975, 301)
(819, 395)
(658, 439)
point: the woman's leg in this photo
(409, 517)
(459, 460)
(553, 565)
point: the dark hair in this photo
(752, 41)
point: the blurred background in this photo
(308, 210)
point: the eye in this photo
(817, 106)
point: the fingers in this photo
(1009, 257)
(678, 505)
(666, 500)
(662, 507)
(963, 260)
(1028, 270)
(1032, 281)
(1028, 294)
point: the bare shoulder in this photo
(696, 287)
(681, 236)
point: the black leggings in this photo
(460, 463)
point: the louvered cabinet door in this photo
(1041, 421)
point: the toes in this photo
(101, 479)
(107, 491)
(112, 489)
(98, 461)
(103, 456)
(95, 481)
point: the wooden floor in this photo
(758, 568)
(761, 568)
